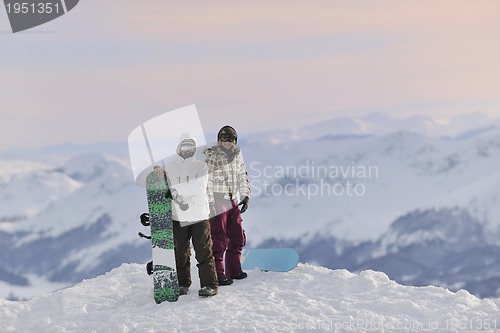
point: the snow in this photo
(9, 168)
(414, 171)
(307, 298)
(86, 167)
(28, 193)
(481, 198)
(38, 285)
(104, 176)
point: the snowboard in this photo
(274, 259)
(165, 283)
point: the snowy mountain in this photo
(386, 202)
(445, 248)
(430, 198)
(307, 298)
(80, 223)
(379, 123)
(395, 174)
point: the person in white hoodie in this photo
(188, 181)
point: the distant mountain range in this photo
(378, 123)
(423, 208)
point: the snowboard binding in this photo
(149, 267)
(145, 219)
(145, 222)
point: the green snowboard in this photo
(166, 285)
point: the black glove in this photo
(183, 206)
(211, 206)
(244, 204)
(178, 199)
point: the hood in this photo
(186, 139)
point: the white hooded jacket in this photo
(189, 177)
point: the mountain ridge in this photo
(96, 219)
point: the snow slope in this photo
(482, 200)
(307, 298)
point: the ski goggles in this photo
(227, 138)
(187, 149)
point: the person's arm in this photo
(243, 181)
(243, 184)
(210, 160)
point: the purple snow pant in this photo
(228, 237)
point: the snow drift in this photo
(307, 298)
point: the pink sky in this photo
(96, 73)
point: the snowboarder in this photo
(188, 177)
(227, 177)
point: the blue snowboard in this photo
(276, 259)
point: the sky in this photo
(99, 71)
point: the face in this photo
(187, 151)
(227, 140)
(227, 144)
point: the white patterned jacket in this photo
(227, 174)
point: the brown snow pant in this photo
(199, 234)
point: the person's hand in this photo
(244, 204)
(159, 171)
(183, 206)
(211, 206)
